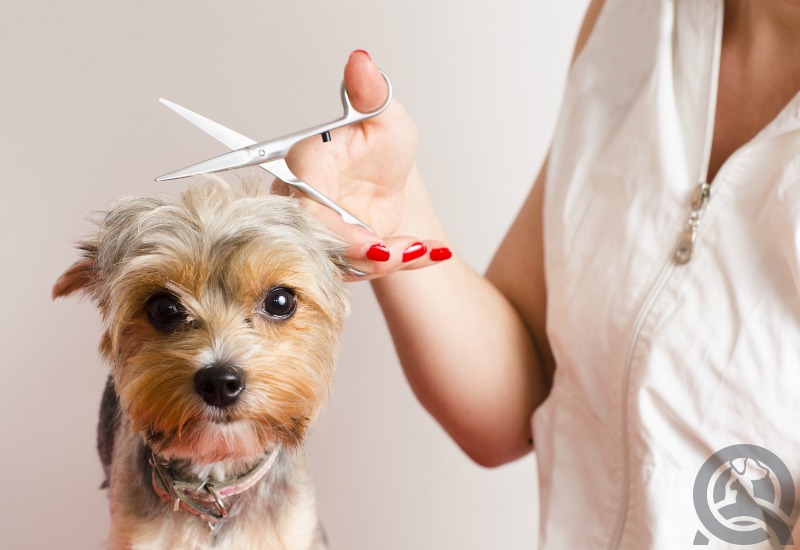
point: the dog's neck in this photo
(215, 472)
(197, 489)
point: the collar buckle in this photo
(217, 500)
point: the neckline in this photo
(780, 123)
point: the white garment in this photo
(661, 365)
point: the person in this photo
(643, 308)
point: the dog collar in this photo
(206, 501)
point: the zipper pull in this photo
(686, 244)
(685, 249)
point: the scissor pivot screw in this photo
(261, 153)
(326, 137)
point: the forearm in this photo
(465, 351)
(475, 349)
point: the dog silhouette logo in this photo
(744, 494)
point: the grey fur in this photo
(107, 427)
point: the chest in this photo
(753, 89)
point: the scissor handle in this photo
(353, 115)
(279, 147)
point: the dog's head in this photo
(222, 311)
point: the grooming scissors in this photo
(271, 155)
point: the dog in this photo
(222, 311)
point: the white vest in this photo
(660, 364)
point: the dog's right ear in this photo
(81, 276)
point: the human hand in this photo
(369, 169)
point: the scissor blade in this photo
(234, 159)
(232, 139)
(235, 140)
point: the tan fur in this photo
(218, 251)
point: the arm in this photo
(473, 348)
(465, 351)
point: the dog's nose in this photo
(219, 385)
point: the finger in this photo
(373, 255)
(364, 84)
(402, 254)
(357, 240)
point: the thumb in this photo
(364, 84)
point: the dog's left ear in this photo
(337, 256)
(81, 276)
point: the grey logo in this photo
(744, 494)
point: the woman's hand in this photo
(369, 168)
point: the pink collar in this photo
(206, 500)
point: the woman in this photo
(648, 321)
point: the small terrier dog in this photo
(222, 311)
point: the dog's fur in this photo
(217, 251)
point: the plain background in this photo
(81, 126)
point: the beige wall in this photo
(81, 126)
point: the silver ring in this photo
(223, 512)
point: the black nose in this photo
(219, 385)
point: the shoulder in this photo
(589, 20)
(618, 33)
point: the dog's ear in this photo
(336, 249)
(337, 256)
(81, 276)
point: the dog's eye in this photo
(164, 311)
(280, 303)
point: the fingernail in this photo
(414, 251)
(361, 51)
(378, 253)
(439, 254)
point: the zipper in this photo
(655, 291)
(681, 256)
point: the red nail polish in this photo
(414, 251)
(439, 254)
(378, 253)
(361, 51)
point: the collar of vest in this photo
(203, 499)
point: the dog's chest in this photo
(252, 531)
(277, 514)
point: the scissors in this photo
(271, 155)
